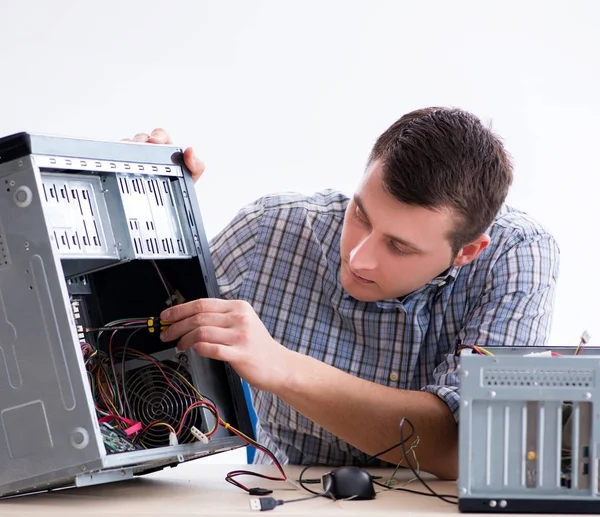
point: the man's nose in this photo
(362, 256)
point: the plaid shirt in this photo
(282, 255)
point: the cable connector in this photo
(173, 441)
(199, 435)
(259, 491)
(155, 323)
(262, 504)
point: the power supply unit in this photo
(529, 430)
(96, 239)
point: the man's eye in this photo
(358, 214)
(397, 250)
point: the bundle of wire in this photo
(112, 397)
(477, 349)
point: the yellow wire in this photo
(169, 427)
(108, 396)
(195, 390)
(202, 397)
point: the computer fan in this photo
(158, 394)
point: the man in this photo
(344, 314)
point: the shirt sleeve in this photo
(232, 249)
(515, 309)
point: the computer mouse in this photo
(349, 483)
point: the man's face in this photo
(390, 249)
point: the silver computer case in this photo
(529, 431)
(71, 209)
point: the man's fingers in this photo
(194, 164)
(159, 136)
(214, 351)
(141, 137)
(185, 310)
(202, 319)
(215, 335)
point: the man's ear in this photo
(471, 251)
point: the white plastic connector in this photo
(199, 435)
(173, 441)
(585, 337)
(546, 353)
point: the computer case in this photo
(95, 233)
(529, 431)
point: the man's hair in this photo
(445, 158)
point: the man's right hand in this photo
(160, 136)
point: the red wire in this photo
(263, 449)
(475, 348)
(158, 365)
(199, 403)
(195, 405)
(112, 362)
(101, 391)
(205, 403)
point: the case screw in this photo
(492, 504)
(80, 438)
(503, 504)
(492, 394)
(22, 196)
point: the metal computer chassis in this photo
(82, 219)
(529, 432)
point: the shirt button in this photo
(393, 376)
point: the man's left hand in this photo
(231, 331)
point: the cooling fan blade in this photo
(156, 395)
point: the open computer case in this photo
(529, 432)
(96, 239)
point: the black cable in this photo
(286, 501)
(301, 481)
(402, 443)
(163, 280)
(443, 497)
(123, 359)
(269, 503)
(411, 491)
(399, 444)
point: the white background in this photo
(290, 95)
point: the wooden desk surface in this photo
(200, 489)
